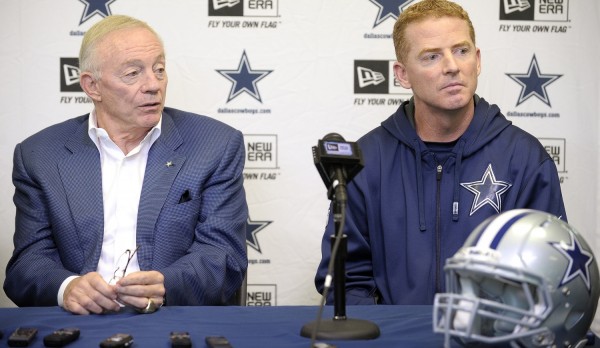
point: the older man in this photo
(133, 204)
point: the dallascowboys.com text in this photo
(532, 114)
(243, 111)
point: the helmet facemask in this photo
(509, 306)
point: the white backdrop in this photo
(284, 72)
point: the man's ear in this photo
(478, 53)
(90, 86)
(401, 75)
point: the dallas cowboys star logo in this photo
(488, 190)
(252, 228)
(534, 83)
(93, 7)
(388, 9)
(579, 260)
(244, 79)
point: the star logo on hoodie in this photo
(488, 190)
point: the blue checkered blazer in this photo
(198, 244)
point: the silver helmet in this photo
(523, 277)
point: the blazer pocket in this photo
(182, 211)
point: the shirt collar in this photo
(95, 132)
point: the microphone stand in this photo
(340, 327)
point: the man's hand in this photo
(137, 288)
(89, 294)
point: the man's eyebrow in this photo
(135, 61)
(462, 44)
(437, 49)
(429, 50)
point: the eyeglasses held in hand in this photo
(120, 271)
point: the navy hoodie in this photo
(408, 212)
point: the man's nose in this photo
(450, 64)
(152, 82)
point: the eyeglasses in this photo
(120, 271)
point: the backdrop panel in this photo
(303, 62)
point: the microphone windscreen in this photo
(333, 137)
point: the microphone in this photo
(337, 162)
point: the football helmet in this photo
(523, 277)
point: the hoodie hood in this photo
(487, 123)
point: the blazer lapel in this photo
(161, 170)
(82, 180)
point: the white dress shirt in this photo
(122, 179)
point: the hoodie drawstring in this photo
(422, 225)
(457, 171)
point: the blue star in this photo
(579, 260)
(93, 7)
(388, 9)
(252, 228)
(488, 190)
(244, 79)
(534, 83)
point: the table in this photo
(400, 326)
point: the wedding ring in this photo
(151, 307)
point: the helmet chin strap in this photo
(463, 316)
(464, 313)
